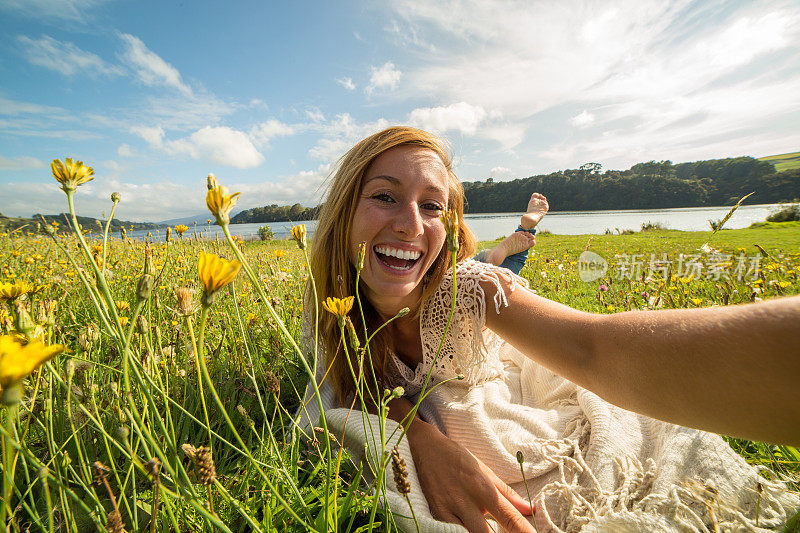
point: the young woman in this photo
(527, 365)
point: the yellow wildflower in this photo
(215, 273)
(338, 306)
(279, 253)
(450, 221)
(122, 305)
(11, 291)
(71, 173)
(299, 234)
(180, 229)
(17, 361)
(697, 301)
(220, 202)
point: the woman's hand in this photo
(460, 488)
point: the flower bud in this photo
(352, 337)
(185, 301)
(362, 252)
(115, 197)
(22, 320)
(403, 312)
(211, 182)
(144, 287)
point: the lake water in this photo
(488, 226)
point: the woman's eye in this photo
(382, 197)
(432, 207)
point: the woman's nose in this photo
(409, 220)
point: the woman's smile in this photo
(397, 216)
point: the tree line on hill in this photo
(64, 221)
(276, 213)
(651, 185)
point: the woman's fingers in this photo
(518, 502)
(475, 523)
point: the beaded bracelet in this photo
(531, 231)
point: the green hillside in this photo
(783, 161)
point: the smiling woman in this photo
(528, 393)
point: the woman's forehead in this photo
(403, 165)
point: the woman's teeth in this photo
(400, 254)
(397, 259)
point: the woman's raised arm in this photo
(733, 370)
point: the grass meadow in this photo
(784, 161)
(112, 433)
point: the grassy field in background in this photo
(74, 414)
(783, 161)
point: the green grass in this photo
(246, 353)
(783, 161)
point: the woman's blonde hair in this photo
(331, 265)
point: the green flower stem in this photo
(221, 406)
(236, 505)
(409, 418)
(62, 487)
(8, 462)
(316, 312)
(252, 374)
(93, 294)
(101, 280)
(282, 326)
(49, 501)
(197, 357)
(105, 235)
(126, 352)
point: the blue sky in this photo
(267, 96)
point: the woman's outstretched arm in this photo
(733, 370)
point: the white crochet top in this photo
(469, 349)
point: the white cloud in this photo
(219, 144)
(384, 77)
(340, 134)
(149, 67)
(73, 10)
(501, 172)
(20, 163)
(461, 117)
(645, 69)
(582, 119)
(315, 115)
(66, 58)
(263, 133)
(153, 135)
(305, 187)
(347, 83)
(15, 107)
(125, 150)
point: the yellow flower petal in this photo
(216, 272)
(338, 306)
(17, 361)
(70, 174)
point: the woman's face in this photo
(403, 193)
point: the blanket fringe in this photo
(576, 501)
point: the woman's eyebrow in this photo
(396, 182)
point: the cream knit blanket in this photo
(589, 465)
